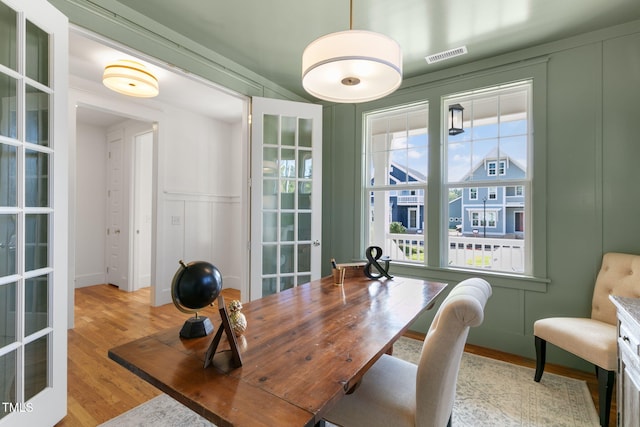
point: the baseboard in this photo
(85, 280)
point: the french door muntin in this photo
(32, 347)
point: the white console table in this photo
(628, 397)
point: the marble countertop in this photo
(629, 305)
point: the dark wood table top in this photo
(302, 350)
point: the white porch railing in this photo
(467, 252)
(410, 200)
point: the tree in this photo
(397, 228)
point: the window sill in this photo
(499, 279)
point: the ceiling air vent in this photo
(447, 54)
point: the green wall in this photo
(586, 177)
(586, 197)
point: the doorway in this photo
(199, 162)
(114, 209)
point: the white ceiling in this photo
(88, 56)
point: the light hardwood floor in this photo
(100, 389)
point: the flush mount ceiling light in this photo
(130, 78)
(352, 66)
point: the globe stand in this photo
(196, 327)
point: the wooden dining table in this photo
(303, 350)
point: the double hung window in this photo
(485, 181)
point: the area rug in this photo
(489, 393)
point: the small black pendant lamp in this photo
(455, 119)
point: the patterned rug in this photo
(489, 393)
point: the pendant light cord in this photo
(351, 14)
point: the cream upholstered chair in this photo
(398, 393)
(594, 339)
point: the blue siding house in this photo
(501, 207)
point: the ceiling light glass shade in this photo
(130, 78)
(352, 66)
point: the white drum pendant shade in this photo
(130, 78)
(352, 66)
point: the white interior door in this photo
(143, 210)
(33, 213)
(116, 263)
(286, 194)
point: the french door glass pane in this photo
(305, 128)
(8, 379)
(270, 131)
(8, 224)
(36, 241)
(270, 194)
(269, 259)
(288, 133)
(8, 36)
(7, 314)
(287, 282)
(37, 179)
(37, 117)
(269, 285)
(37, 54)
(304, 258)
(287, 232)
(303, 278)
(36, 304)
(304, 195)
(286, 259)
(35, 366)
(304, 226)
(270, 227)
(8, 117)
(8, 177)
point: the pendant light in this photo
(130, 78)
(352, 66)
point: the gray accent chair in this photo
(398, 393)
(594, 339)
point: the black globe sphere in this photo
(195, 285)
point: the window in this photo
(481, 219)
(473, 193)
(484, 180)
(517, 191)
(490, 159)
(493, 193)
(396, 159)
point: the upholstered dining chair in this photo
(594, 339)
(398, 393)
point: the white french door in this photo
(286, 194)
(33, 213)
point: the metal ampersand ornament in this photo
(373, 254)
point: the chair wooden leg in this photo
(541, 356)
(605, 391)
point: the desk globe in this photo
(195, 286)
